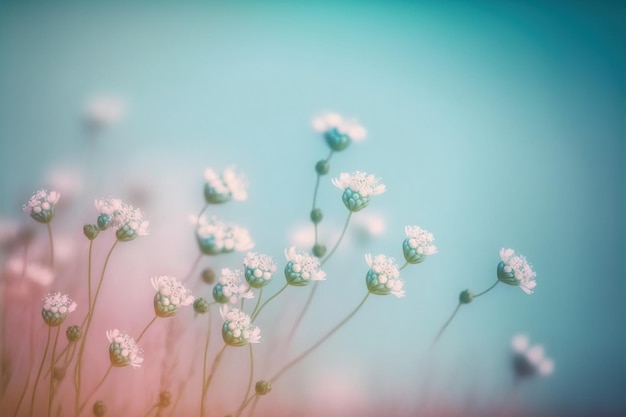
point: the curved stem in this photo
(319, 342)
(296, 324)
(54, 348)
(83, 341)
(243, 402)
(487, 290)
(404, 266)
(443, 328)
(257, 311)
(206, 206)
(258, 300)
(106, 374)
(43, 360)
(343, 233)
(193, 268)
(146, 328)
(51, 245)
(204, 364)
(151, 410)
(216, 362)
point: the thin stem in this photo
(192, 268)
(51, 245)
(256, 312)
(151, 409)
(146, 328)
(83, 341)
(204, 363)
(343, 233)
(254, 397)
(258, 300)
(319, 342)
(30, 366)
(106, 374)
(216, 362)
(243, 402)
(89, 258)
(54, 349)
(296, 324)
(43, 360)
(443, 328)
(315, 191)
(206, 206)
(404, 266)
(487, 290)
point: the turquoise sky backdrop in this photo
(492, 124)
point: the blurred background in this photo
(492, 124)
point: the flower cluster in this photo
(170, 295)
(56, 308)
(357, 189)
(237, 329)
(222, 188)
(383, 277)
(230, 287)
(302, 268)
(126, 220)
(258, 269)
(337, 131)
(418, 244)
(215, 237)
(515, 270)
(529, 360)
(40, 206)
(123, 350)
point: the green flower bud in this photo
(91, 231)
(200, 306)
(99, 409)
(208, 276)
(263, 387)
(73, 333)
(322, 167)
(336, 140)
(316, 215)
(319, 250)
(466, 297)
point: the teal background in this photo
(492, 124)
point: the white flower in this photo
(105, 110)
(215, 236)
(126, 220)
(515, 270)
(56, 308)
(237, 329)
(258, 269)
(529, 360)
(171, 294)
(418, 244)
(230, 287)
(361, 182)
(40, 206)
(350, 127)
(304, 266)
(222, 188)
(383, 276)
(123, 350)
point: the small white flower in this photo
(171, 289)
(361, 182)
(40, 206)
(383, 276)
(230, 287)
(529, 360)
(126, 220)
(350, 127)
(237, 329)
(56, 308)
(418, 244)
(123, 350)
(515, 270)
(105, 111)
(221, 188)
(215, 237)
(302, 267)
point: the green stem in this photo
(51, 245)
(315, 191)
(83, 341)
(256, 312)
(204, 364)
(443, 328)
(193, 267)
(243, 402)
(54, 349)
(43, 360)
(146, 328)
(106, 374)
(343, 233)
(216, 362)
(258, 300)
(206, 206)
(487, 290)
(404, 266)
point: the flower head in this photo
(338, 131)
(302, 268)
(529, 360)
(230, 287)
(222, 188)
(418, 244)
(357, 189)
(515, 270)
(40, 206)
(258, 269)
(170, 295)
(126, 220)
(56, 308)
(105, 111)
(215, 237)
(383, 277)
(237, 329)
(123, 350)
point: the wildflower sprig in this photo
(230, 185)
(357, 188)
(231, 287)
(41, 205)
(170, 295)
(215, 237)
(126, 220)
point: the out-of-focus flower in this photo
(529, 360)
(38, 273)
(237, 329)
(258, 269)
(56, 308)
(302, 268)
(338, 131)
(40, 206)
(126, 220)
(230, 287)
(215, 237)
(515, 270)
(222, 188)
(99, 409)
(418, 244)
(171, 295)
(383, 277)
(123, 350)
(67, 183)
(102, 111)
(357, 189)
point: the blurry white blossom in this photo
(515, 270)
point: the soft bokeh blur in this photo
(493, 124)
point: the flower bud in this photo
(466, 296)
(322, 167)
(354, 201)
(73, 333)
(201, 306)
(336, 140)
(91, 231)
(208, 276)
(316, 215)
(263, 387)
(99, 409)
(319, 250)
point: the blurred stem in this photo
(31, 357)
(204, 364)
(193, 267)
(443, 328)
(151, 410)
(343, 233)
(51, 245)
(243, 402)
(43, 360)
(256, 312)
(216, 363)
(146, 328)
(488, 289)
(54, 349)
